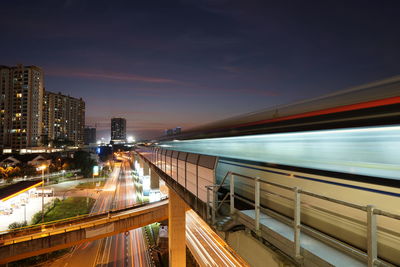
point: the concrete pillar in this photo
(141, 163)
(146, 169)
(176, 230)
(154, 180)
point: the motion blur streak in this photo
(206, 246)
(371, 151)
(118, 250)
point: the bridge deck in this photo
(55, 237)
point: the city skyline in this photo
(188, 63)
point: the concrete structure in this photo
(64, 118)
(154, 180)
(17, 194)
(35, 241)
(176, 230)
(89, 135)
(118, 130)
(21, 106)
(283, 237)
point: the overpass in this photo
(290, 231)
(44, 238)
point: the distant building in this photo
(64, 119)
(169, 132)
(118, 130)
(173, 131)
(177, 130)
(21, 106)
(89, 135)
(28, 159)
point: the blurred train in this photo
(377, 103)
(345, 146)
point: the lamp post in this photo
(42, 168)
(24, 205)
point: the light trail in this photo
(371, 151)
(206, 246)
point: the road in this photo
(130, 249)
(206, 246)
(127, 249)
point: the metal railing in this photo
(371, 256)
(31, 230)
(213, 204)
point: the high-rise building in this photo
(5, 90)
(89, 135)
(118, 130)
(64, 119)
(21, 106)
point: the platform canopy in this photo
(13, 190)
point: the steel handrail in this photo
(337, 201)
(371, 255)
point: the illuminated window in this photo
(17, 115)
(19, 95)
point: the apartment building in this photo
(21, 103)
(64, 119)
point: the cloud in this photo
(109, 76)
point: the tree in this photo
(16, 225)
(83, 161)
(27, 170)
(3, 173)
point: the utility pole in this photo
(43, 193)
(42, 168)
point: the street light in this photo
(42, 168)
(24, 205)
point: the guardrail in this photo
(29, 231)
(371, 256)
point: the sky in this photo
(162, 64)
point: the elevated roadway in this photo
(43, 239)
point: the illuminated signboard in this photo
(96, 170)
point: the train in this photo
(344, 146)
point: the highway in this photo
(206, 246)
(119, 250)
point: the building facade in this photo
(5, 90)
(118, 130)
(21, 103)
(89, 135)
(63, 119)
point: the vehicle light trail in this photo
(206, 246)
